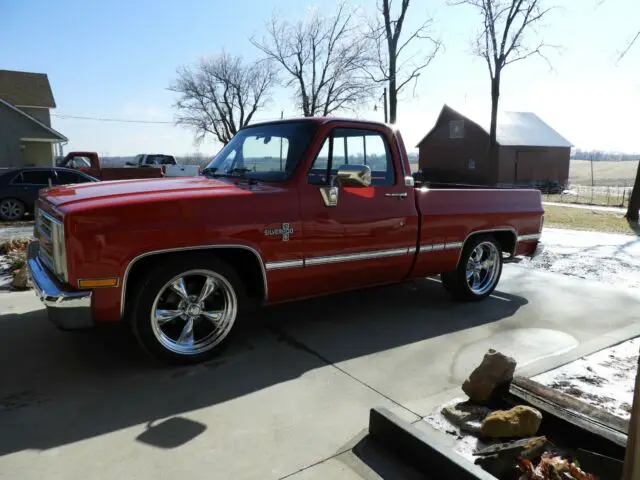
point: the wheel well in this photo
(246, 263)
(505, 238)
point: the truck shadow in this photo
(58, 388)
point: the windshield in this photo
(269, 153)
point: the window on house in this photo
(456, 129)
(346, 146)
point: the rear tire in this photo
(12, 209)
(478, 271)
(188, 309)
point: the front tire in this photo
(478, 271)
(12, 209)
(187, 309)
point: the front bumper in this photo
(67, 309)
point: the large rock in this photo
(20, 278)
(520, 421)
(495, 370)
(466, 416)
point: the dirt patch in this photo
(605, 379)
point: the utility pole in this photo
(281, 117)
(592, 185)
(385, 105)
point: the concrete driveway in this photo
(291, 398)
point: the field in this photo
(605, 173)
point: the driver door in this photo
(369, 236)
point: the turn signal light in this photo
(97, 282)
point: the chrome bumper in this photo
(67, 309)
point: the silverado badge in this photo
(284, 231)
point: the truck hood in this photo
(145, 189)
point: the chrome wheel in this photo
(11, 209)
(193, 312)
(483, 268)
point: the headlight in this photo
(50, 233)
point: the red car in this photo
(287, 210)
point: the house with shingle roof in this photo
(26, 136)
(530, 151)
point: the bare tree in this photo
(501, 41)
(389, 66)
(323, 58)
(220, 95)
(634, 201)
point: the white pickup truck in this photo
(168, 163)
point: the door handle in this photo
(396, 195)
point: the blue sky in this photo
(116, 59)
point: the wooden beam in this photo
(572, 410)
(631, 469)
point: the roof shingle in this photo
(26, 89)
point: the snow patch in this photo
(605, 379)
(5, 272)
(605, 257)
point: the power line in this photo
(100, 119)
(161, 122)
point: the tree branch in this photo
(216, 94)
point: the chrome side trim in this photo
(183, 249)
(352, 257)
(284, 264)
(532, 236)
(436, 247)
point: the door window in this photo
(68, 178)
(34, 177)
(347, 146)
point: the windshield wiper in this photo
(237, 172)
(209, 170)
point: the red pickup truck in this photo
(89, 163)
(285, 211)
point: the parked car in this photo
(287, 210)
(19, 188)
(89, 163)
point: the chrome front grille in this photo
(50, 234)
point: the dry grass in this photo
(604, 173)
(584, 219)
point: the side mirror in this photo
(347, 176)
(354, 176)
